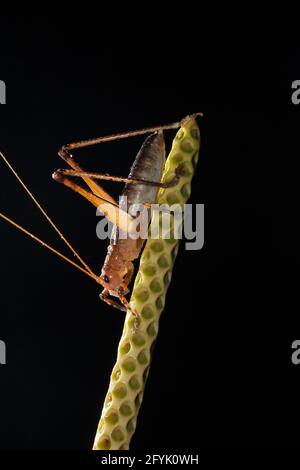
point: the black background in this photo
(221, 376)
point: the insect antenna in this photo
(34, 237)
(87, 268)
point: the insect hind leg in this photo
(124, 135)
(95, 187)
(121, 179)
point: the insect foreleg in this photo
(104, 296)
(124, 307)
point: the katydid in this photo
(141, 187)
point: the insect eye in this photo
(106, 278)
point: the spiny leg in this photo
(120, 179)
(129, 308)
(125, 307)
(104, 296)
(124, 135)
(111, 211)
(95, 188)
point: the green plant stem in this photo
(128, 378)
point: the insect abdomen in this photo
(148, 165)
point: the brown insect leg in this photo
(119, 179)
(95, 188)
(95, 200)
(113, 213)
(127, 307)
(104, 296)
(124, 135)
(124, 307)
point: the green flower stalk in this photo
(128, 378)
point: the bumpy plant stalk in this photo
(126, 388)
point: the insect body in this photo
(141, 188)
(118, 267)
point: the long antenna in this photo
(34, 237)
(44, 214)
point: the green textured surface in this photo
(127, 383)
